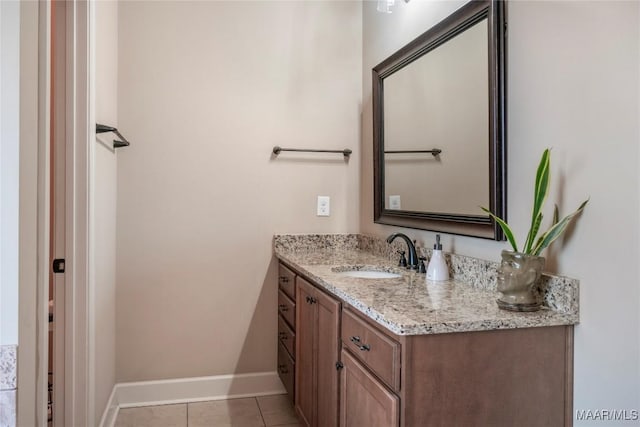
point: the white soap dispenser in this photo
(438, 270)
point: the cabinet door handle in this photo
(283, 369)
(311, 300)
(284, 279)
(283, 335)
(283, 307)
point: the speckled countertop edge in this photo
(8, 367)
(410, 306)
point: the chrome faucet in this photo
(413, 256)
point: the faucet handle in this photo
(403, 259)
(421, 267)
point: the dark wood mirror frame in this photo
(462, 19)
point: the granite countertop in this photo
(408, 305)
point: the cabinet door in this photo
(364, 401)
(328, 354)
(305, 330)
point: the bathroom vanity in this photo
(398, 352)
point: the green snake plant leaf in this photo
(556, 230)
(556, 216)
(539, 196)
(535, 227)
(505, 228)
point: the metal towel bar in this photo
(277, 150)
(434, 152)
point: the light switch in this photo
(394, 202)
(324, 208)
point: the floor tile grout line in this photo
(264, 422)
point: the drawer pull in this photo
(282, 335)
(356, 341)
(283, 307)
(284, 279)
(283, 369)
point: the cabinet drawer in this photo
(286, 370)
(287, 309)
(376, 350)
(287, 281)
(286, 336)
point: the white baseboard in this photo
(184, 390)
(111, 411)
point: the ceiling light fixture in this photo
(384, 6)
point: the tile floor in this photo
(248, 412)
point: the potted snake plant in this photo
(521, 268)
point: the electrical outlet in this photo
(394, 202)
(324, 206)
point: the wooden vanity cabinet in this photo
(317, 353)
(500, 378)
(286, 328)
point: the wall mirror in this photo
(439, 126)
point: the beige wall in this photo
(104, 202)
(206, 89)
(573, 84)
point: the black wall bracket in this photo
(116, 143)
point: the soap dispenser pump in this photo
(438, 270)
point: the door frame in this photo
(35, 42)
(33, 230)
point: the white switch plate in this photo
(324, 206)
(394, 202)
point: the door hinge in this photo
(339, 366)
(58, 265)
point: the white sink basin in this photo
(369, 274)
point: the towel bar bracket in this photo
(116, 143)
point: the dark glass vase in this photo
(517, 278)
